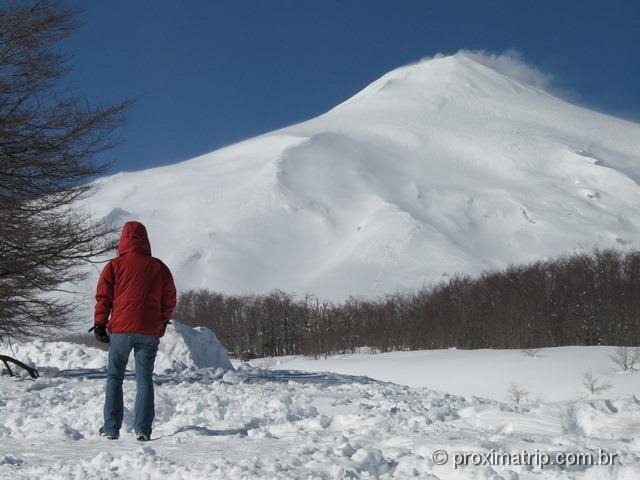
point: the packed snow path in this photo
(254, 423)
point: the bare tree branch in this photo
(49, 139)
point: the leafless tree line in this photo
(581, 299)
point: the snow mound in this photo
(56, 355)
(181, 348)
(184, 347)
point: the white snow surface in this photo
(186, 347)
(253, 423)
(552, 375)
(181, 348)
(452, 164)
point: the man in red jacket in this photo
(137, 291)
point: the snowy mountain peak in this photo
(453, 164)
(462, 74)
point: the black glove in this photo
(164, 327)
(100, 332)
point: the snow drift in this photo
(181, 348)
(184, 347)
(455, 164)
(44, 354)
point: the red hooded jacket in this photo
(135, 288)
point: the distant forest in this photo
(580, 299)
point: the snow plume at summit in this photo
(512, 64)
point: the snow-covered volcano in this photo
(448, 165)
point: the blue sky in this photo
(210, 73)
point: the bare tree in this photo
(531, 352)
(626, 357)
(49, 139)
(517, 394)
(593, 385)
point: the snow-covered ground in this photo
(278, 422)
(181, 347)
(554, 375)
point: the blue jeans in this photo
(145, 348)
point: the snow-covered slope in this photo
(447, 165)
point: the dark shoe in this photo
(108, 437)
(142, 437)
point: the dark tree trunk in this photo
(31, 371)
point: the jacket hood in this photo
(134, 239)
